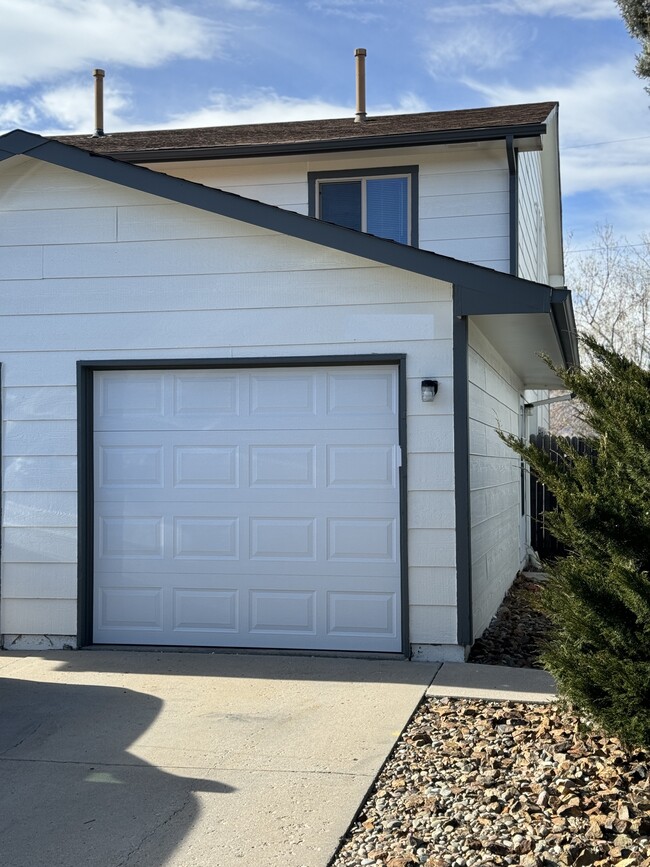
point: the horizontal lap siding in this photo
(463, 192)
(532, 232)
(149, 279)
(494, 478)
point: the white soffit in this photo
(519, 339)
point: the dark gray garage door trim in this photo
(85, 452)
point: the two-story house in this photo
(252, 378)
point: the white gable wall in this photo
(91, 270)
(494, 393)
(463, 191)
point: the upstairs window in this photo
(382, 202)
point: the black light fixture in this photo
(429, 389)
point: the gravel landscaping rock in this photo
(517, 633)
(474, 783)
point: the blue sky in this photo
(203, 62)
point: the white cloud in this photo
(595, 9)
(604, 139)
(357, 10)
(17, 113)
(475, 47)
(247, 5)
(71, 108)
(40, 38)
(267, 106)
(262, 106)
(575, 9)
(599, 105)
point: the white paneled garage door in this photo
(248, 508)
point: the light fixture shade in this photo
(429, 389)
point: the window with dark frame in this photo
(381, 202)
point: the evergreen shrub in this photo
(598, 596)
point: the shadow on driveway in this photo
(70, 791)
(260, 665)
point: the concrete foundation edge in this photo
(38, 642)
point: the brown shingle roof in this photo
(291, 136)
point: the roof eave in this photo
(531, 132)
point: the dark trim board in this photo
(462, 484)
(1, 493)
(85, 458)
(85, 504)
(403, 508)
(513, 198)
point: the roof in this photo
(477, 290)
(310, 135)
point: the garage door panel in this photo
(252, 508)
(361, 614)
(212, 466)
(134, 607)
(130, 398)
(362, 539)
(214, 400)
(124, 537)
(287, 538)
(131, 465)
(204, 466)
(279, 612)
(201, 397)
(232, 616)
(282, 466)
(205, 609)
(276, 395)
(361, 392)
(355, 467)
(200, 537)
(207, 537)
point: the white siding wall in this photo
(533, 263)
(463, 208)
(94, 271)
(494, 477)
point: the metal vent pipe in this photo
(360, 54)
(98, 75)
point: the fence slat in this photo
(542, 500)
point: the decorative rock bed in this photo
(493, 783)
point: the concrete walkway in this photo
(145, 759)
(116, 759)
(492, 682)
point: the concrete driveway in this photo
(117, 758)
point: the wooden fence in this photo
(542, 501)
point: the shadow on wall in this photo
(71, 792)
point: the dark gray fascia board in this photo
(18, 142)
(507, 295)
(481, 290)
(531, 130)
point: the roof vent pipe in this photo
(98, 75)
(360, 54)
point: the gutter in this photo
(513, 197)
(565, 326)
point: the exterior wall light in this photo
(429, 389)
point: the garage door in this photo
(247, 508)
